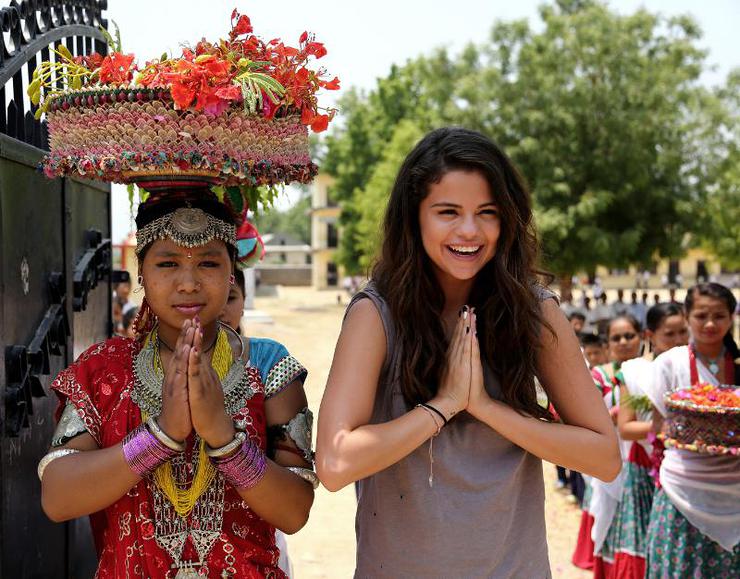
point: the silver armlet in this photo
(47, 459)
(70, 425)
(299, 430)
(306, 474)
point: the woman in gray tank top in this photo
(431, 401)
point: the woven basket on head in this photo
(134, 134)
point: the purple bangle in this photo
(244, 468)
(143, 452)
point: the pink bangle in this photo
(244, 468)
(143, 452)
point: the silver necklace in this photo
(147, 390)
(712, 363)
(205, 522)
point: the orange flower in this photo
(333, 84)
(117, 68)
(243, 25)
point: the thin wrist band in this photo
(433, 417)
(433, 409)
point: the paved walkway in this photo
(308, 323)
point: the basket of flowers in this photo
(703, 418)
(230, 113)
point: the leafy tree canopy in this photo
(626, 153)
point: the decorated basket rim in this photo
(233, 148)
(691, 406)
(100, 95)
(701, 447)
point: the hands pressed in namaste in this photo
(192, 396)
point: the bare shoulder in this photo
(363, 322)
(555, 318)
(357, 366)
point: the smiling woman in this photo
(443, 346)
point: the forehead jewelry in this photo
(188, 227)
(190, 254)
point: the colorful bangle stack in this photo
(244, 468)
(144, 452)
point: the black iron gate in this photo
(55, 285)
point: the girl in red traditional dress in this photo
(189, 445)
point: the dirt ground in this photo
(307, 322)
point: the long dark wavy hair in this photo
(504, 291)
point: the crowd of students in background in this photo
(634, 527)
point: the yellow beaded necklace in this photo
(183, 498)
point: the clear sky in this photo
(364, 38)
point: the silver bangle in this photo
(163, 437)
(47, 459)
(306, 474)
(228, 448)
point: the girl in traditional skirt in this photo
(666, 328)
(189, 445)
(431, 402)
(694, 527)
(601, 498)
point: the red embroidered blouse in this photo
(99, 385)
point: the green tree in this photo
(294, 221)
(595, 108)
(719, 219)
(372, 200)
(597, 105)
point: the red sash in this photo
(729, 367)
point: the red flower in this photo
(91, 61)
(182, 94)
(320, 123)
(315, 49)
(330, 85)
(307, 116)
(117, 68)
(269, 108)
(243, 25)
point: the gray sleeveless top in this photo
(484, 516)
